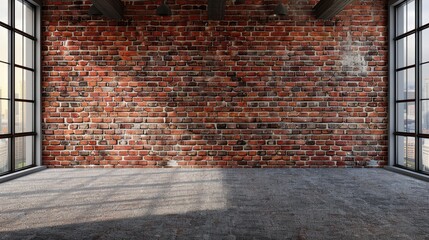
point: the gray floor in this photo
(214, 204)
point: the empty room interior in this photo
(214, 119)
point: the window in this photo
(18, 85)
(410, 71)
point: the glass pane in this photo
(401, 16)
(401, 53)
(411, 117)
(406, 84)
(411, 50)
(425, 47)
(4, 116)
(406, 117)
(411, 83)
(425, 80)
(23, 152)
(406, 51)
(424, 148)
(425, 116)
(23, 84)
(405, 17)
(4, 44)
(23, 117)
(24, 51)
(4, 155)
(401, 117)
(4, 12)
(401, 85)
(411, 15)
(19, 15)
(4, 80)
(425, 11)
(24, 16)
(406, 152)
(28, 20)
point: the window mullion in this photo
(418, 87)
(12, 85)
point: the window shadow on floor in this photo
(215, 204)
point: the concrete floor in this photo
(214, 204)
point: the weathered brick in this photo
(259, 91)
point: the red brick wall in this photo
(254, 90)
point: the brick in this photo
(288, 92)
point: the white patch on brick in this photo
(352, 58)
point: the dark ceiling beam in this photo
(216, 9)
(93, 11)
(327, 9)
(109, 8)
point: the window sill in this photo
(11, 176)
(408, 173)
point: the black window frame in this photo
(393, 92)
(12, 135)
